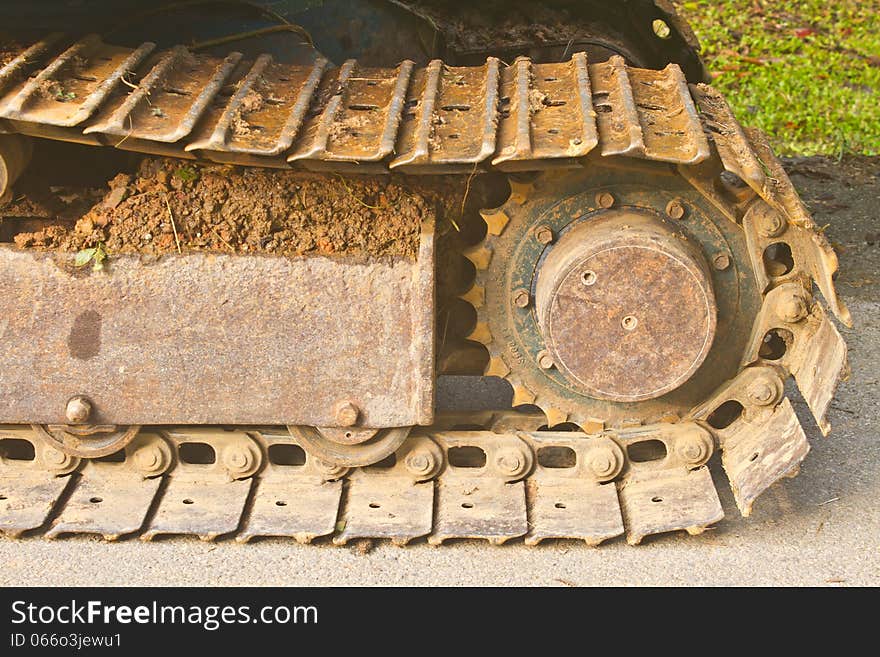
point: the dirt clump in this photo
(9, 50)
(230, 209)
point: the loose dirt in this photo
(248, 210)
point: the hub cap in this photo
(625, 305)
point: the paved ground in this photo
(821, 528)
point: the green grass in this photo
(807, 72)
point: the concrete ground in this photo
(822, 528)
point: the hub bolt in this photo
(521, 298)
(78, 409)
(629, 323)
(346, 414)
(418, 463)
(721, 261)
(545, 360)
(589, 277)
(150, 459)
(54, 456)
(544, 234)
(605, 200)
(675, 209)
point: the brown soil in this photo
(9, 50)
(232, 209)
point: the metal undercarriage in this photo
(647, 286)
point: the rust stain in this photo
(84, 341)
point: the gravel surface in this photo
(822, 528)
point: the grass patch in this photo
(807, 72)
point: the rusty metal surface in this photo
(451, 120)
(822, 366)
(207, 499)
(486, 501)
(813, 349)
(32, 484)
(626, 306)
(546, 112)
(574, 499)
(265, 114)
(757, 453)
(138, 327)
(663, 501)
(646, 113)
(75, 84)
(292, 498)
(179, 85)
(514, 261)
(396, 503)
(436, 119)
(673, 490)
(112, 499)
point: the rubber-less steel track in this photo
(508, 479)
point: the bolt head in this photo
(675, 210)
(420, 463)
(771, 224)
(328, 469)
(793, 309)
(694, 449)
(721, 261)
(521, 298)
(605, 200)
(237, 458)
(544, 234)
(346, 414)
(54, 456)
(604, 463)
(545, 360)
(146, 459)
(78, 410)
(761, 392)
(510, 462)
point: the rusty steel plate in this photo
(216, 339)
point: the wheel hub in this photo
(625, 305)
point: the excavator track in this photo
(494, 476)
(437, 119)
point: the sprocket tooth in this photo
(480, 255)
(476, 296)
(555, 416)
(497, 367)
(591, 425)
(521, 394)
(481, 333)
(520, 191)
(496, 220)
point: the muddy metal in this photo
(646, 288)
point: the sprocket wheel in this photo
(612, 297)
